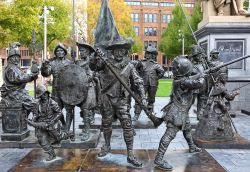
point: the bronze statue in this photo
(199, 61)
(88, 105)
(13, 90)
(151, 72)
(215, 123)
(54, 67)
(176, 112)
(114, 96)
(47, 123)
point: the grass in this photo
(164, 88)
(31, 92)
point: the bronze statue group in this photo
(111, 78)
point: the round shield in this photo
(73, 85)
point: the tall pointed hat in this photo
(105, 31)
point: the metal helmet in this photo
(14, 49)
(182, 66)
(62, 47)
(40, 90)
(196, 50)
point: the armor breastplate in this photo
(181, 98)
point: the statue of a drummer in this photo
(53, 67)
(115, 96)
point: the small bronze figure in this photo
(54, 67)
(215, 123)
(176, 112)
(151, 72)
(115, 96)
(47, 123)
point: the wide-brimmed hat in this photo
(62, 47)
(121, 43)
(152, 50)
(40, 90)
(85, 45)
(14, 49)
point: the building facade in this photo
(150, 18)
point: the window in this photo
(163, 29)
(146, 18)
(136, 29)
(188, 5)
(25, 62)
(166, 18)
(145, 44)
(133, 3)
(167, 4)
(154, 44)
(154, 18)
(150, 4)
(145, 31)
(155, 31)
(135, 17)
(150, 31)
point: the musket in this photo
(241, 87)
(156, 121)
(226, 64)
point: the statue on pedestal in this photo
(47, 123)
(176, 112)
(237, 6)
(115, 96)
(151, 72)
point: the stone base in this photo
(31, 142)
(87, 160)
(14, 136)
(246, 110)
(237, 143)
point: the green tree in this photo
(194, 21)
(170, 44)
(22, 16)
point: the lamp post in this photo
(45, 22)
(181, 35)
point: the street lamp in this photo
(46, 10)
(181, 35)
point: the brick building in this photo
(150, 19)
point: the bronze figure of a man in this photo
(176, 112)
(115, 96)
(53, 67)
(47, 122)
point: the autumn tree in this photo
(121, 14)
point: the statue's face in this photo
(119, 54)
(150, 56)
(215, 56)
(16, 59)
(60, 53)
(84, 53)
(44, 97)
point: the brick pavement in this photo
(232, 160)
